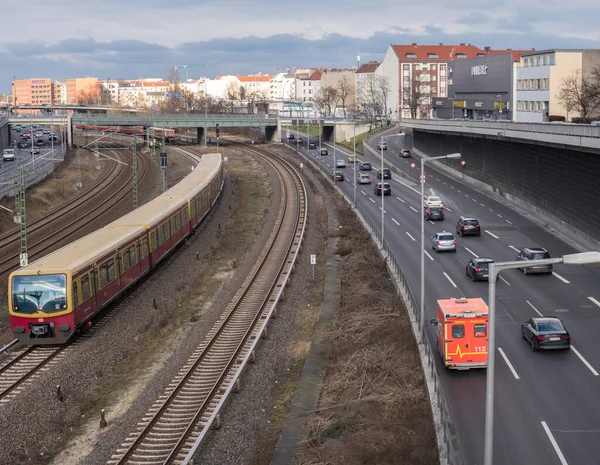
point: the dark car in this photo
(312, 145)
(434, 213)
(387, 189)
(478, 269)
(405, 153)
(40, 142)
(467, 225)
(324, 152)
(546, 332)
(337, 175)
(24, 143)
(387, 174)
(534, 253)
(300, 140)
(291, 137)
(365, 166)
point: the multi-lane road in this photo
(547, 406)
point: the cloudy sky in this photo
(132, 38)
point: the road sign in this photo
(422, 178)
(163, 159)
(313, 259)
(167, 95)
(23, 259)
(177, 95)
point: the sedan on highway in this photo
(337, 175)
(324, 152)
(365, 166)
(35, 151)
(382, 145)
(387, 174)
(339, 163)
(546, 332)
(534, 253)
(468, 225)
(352, 158)
(443, 242)
(405, 153)
(433, 201)
(312, 145)
(434, 213)
(478, 269)
(387, 189)
(364, 178)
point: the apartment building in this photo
(308, 85)
(365, 72)
(33, 91)
(282, 87)
(539, 77)
(59, 93)
(83, 90)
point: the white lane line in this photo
(491, 210)
(560, 277)
(395, 221)
(585, 362)
(445, 183)
(453, 187)
(482, 205)
(400, 199)
(561, 457)
(504, 280)
(474, 200)
(492, 234)
(431, 222)
(514, 248)
(460, 192)
(363, 192)
(413, 209)
(466, 195)
(450, 279)
(427, 253)
(372, 200)
(471, 252)
(514, 372)
(384, 211)
(499, 215)
(508, 221)
(595, 301)
(446, 208)
(408, 234)
(536, 310)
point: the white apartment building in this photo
(308, 85)
(363, 73)
(282, 87)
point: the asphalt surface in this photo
(547, 404)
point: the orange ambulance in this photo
(462, 335)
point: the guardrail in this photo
(176, 116)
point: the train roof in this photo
(88, 249)
(149, 214)
(193, 183)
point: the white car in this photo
(433, 201)
(382, 145)
(339, 163)
(364, 179)
(8, 155)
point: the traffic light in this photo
(217, 129)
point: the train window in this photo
(75, 293)
(110, 265)
(144, 247)
(161, 234)
(154, 243)
(184, 216)
(103, 275)
(173, 222)
(132, 255)
(85, 288)
(193, 207)
(126, 260)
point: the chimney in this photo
(509, 49)
(487, 48)
(414, 44)
(441, 44)
(462, 44)
(533, 49)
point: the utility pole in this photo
(135, 174)
(22, 218)
(163, 164)
(16, 181)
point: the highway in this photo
(547, 404)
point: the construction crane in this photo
(186, 67)
(288, 68)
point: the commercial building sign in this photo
(459, 103)
(478, 104)
(480, 70)
(498, 105)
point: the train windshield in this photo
(39, 293)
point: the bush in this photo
(556, 118)
(579, 120)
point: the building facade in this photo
(83, 90)
(59, 93)
(363, 74)
(33, 91)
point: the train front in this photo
(40, 307)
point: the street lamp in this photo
(422, 180)
(382, 195)
(354, 158)
(585, 258)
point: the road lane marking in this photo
(400, 199)
(363, 193)
(504, 280)
(446, 208)
(372, 200)
(482, 205)
(460, 192)
(491, 210)
(453, 187)
(514, 248)
(561, 457)
(395, 221)
(560, 277)
(499, 215)
(492, 234)
(413, 209)
(427, 253)
(408, 234)
(450, 279)
(471, 252)
(431, 222)
(585, 362)
(536, 310)
(508, 221)
(445, 183)
(384, 211)
(595, 301)
(474, 200)
(514, 372)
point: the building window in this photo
(406, 67)
(411, 55)
(461, 55)
(552, 59)
(433, 55)
(545, 60)
(520, 84)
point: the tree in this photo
(90, 95)
(234, 95)
(374, 91)
(580, 93)
(345, 88)
(414, 94)
(328, 99)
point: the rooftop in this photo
(369, 67)
(441, 52)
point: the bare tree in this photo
(345, 88)
(89, 96)
(329, 97)
(234, 95)
(580, 93)
(318, 104)
(414, 94)
(384, 89)
(374, 92)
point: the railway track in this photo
(176, 424)
(42, 234)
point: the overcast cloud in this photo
(133, 38)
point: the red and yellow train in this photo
(157, 133)
(53, 297)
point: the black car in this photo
(40, 142)
(546, 332)
(365, 166)
(291, 137)
(405, 153)
(387, 189)
(434, 213)
(312, 145)
(337, 175)
(468, 225)
(478, 269)
(300, 140)
(24, 143)
(534, 253)
(324, 152)
(387, 174)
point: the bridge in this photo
(72, 107)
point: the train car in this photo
(53, 297)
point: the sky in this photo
(128, 39)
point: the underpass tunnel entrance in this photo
(200, 135)
(327, 133)
(272, 134)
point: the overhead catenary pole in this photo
(163, 163)
(135, 174)
(354, 158)
(16, 181)
(382, 197)
(23, 217)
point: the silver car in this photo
(443, 242)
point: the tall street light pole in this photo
(588, 259)
(354, 158)
(382, 195)
(422, 179)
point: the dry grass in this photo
(374, 407)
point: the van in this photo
(8, 155)
(462, 333)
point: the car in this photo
(312, 145)
(433, 201)
(291, 137)
(25, 135)
(8, 155)
(478, 268)
(534, 253)
(382, 145)
(324, 152)
(352, 159)
(45, 131)
(468, 225)
(434, 213)
(35, 151)
(405, 153)
(24, 144)
(38, 134)
(546, 332)
(363, 179)
(443, 242)
(387, 189)
(339, 163)
(387, 174)
(337, 175)
(299, 140)
(365, 166)
(40, 142)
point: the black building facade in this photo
(479, 88)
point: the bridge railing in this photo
(174, 116)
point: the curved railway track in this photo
(111, 190)
(178, 421)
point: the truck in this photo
(462, 332)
